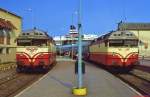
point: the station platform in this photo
(61, 79)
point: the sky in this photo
(98, 16)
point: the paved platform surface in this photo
(61, 58)
(60, 80)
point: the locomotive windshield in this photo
(32, 42)
(124, 43)
(131, 42)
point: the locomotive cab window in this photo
(115, 43)
(37, 42)
(32, 42)
(123, 43)
(131, 43)
(23, 42)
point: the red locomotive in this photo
(117, 49)
(35, 50)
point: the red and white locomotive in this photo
(35, 50)
(117, 49)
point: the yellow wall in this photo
(16, 21)
(11, 57)
(144, 36)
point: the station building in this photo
(10, 28)
(142, 31)
(72, 37)
(69, 42)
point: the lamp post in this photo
(32, 17)
(80, 90)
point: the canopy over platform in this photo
(5, 24)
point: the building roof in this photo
(4, 10)
(34, 30)
(6, 24)
(133, 26)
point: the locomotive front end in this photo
(33, 58)
(123, 49)
(35, 51)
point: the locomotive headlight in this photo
(21, 54)
(134, 55)
(41, 55)
(113, 53)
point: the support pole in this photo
(80, 78)
(80, 90)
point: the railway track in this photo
(138, 78)
(143, 68)
(140, 84)
(14, 83)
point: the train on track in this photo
(35, 51)
(117, 50)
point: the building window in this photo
(1, 50)
(7, 35)
(8, 40)
(1, 40)
(1, 36)
(7, 50)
